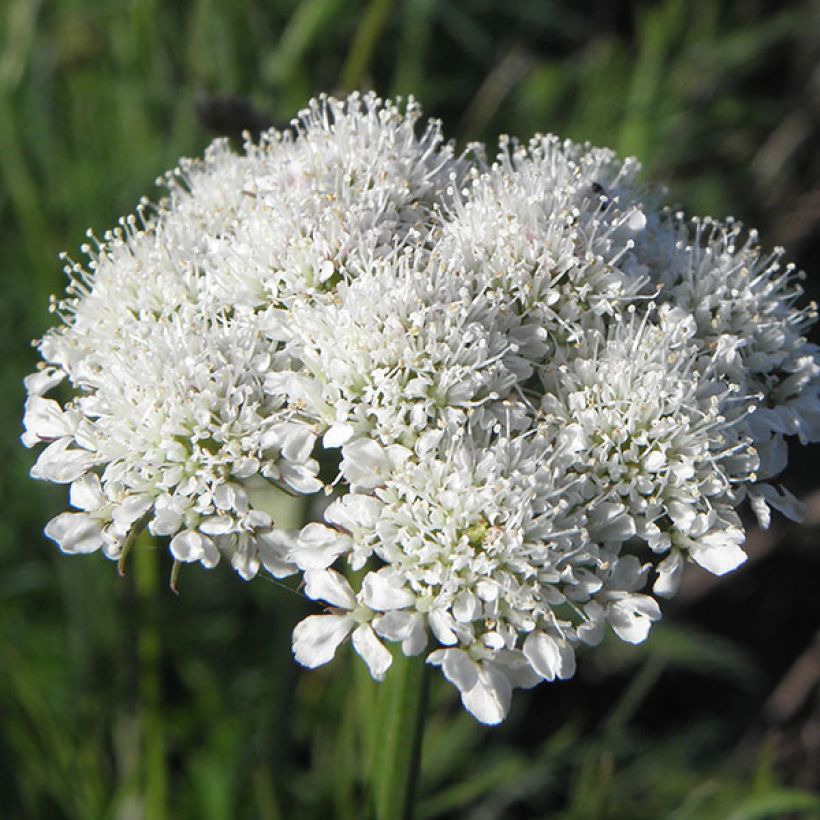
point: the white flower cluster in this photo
(531, 392)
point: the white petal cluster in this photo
(531, 394)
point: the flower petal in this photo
(59, 464)
(372, 650)
(76, 532)
(329, 586)
(764, 496)
(670, 572)
(43, 380)
(316, 638)
(442, 623)
(353, 511)
(45, 420)
(460, 669)
(300, 477)
(402, 625)
(86, 493)
(274, 549)
(489, 700)
(383, 590)
(610, 521)
(168, 514)
(318, 546)
(631, 617)
(189, 546)
(295, 441)
(129, 510)
(364, 463)
(518, 669)
(719, 552)
(550, 657)
(337, 434)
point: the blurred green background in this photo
(119, 699)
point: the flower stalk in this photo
(400, 713)
(149, 649)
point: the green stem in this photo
(397, 743)
(149, 649)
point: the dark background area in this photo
(119, 699)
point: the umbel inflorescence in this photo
(523, 394)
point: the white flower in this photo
(524, 375)
(550, 230)
(742, 301)
(485, 689)
(316, 639)
(550, 656)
